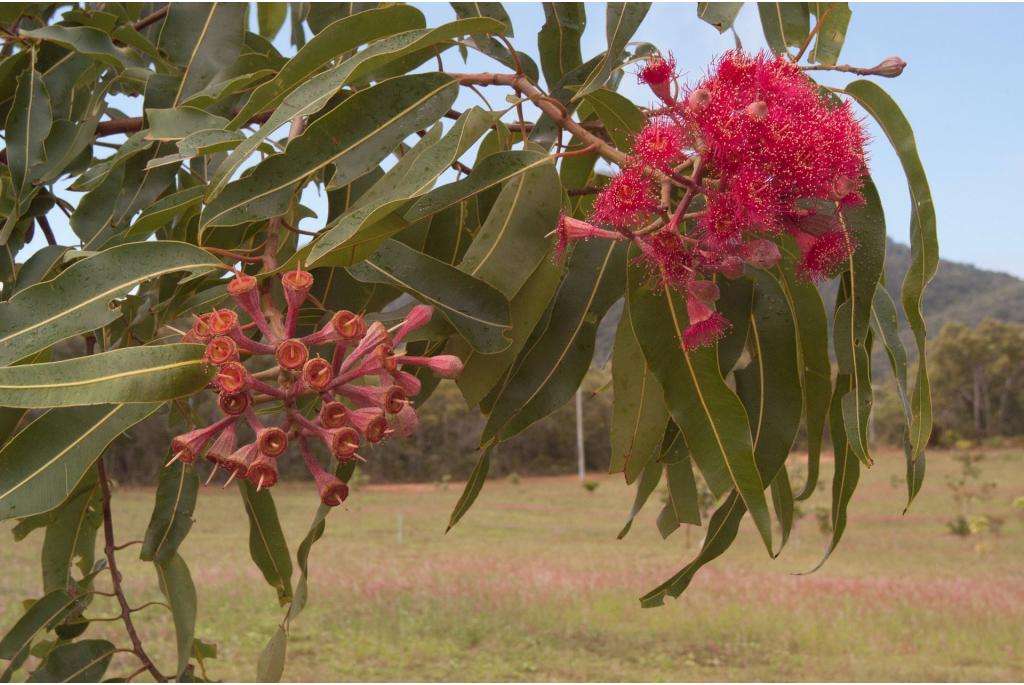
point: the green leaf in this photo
(924, 247)
(28, 124)
(682, 490)
(161, 212)
(130, 375)
(551, 368)
(270, 18)
(84, 661)
(559, 39)
(175, 502)
(270, 667)
(42, 615)
(721, 15)
(267, 544)
(490, 46)
(85, 40)
(473, 486)
(808, 311)
(71, 535)
(205, 38)
(510, 244)
(782, 502)
(176, 585)
(649, 479)
(179, 122)
(834, 18)
(722, 529)
(43, 463)
(709, 414)
(622, 21)
(335, 39)
(785, 24)
(619, 115)
(478, 312)
(78, 300)
(316, 92)
(355, 136)
(638, 412)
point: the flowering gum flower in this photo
(233, 404)
(297, 285)
(232, 378)
(200, 331)
(706, 325)
(317, 373)
(668, 258)
(660, 144)
(333, 414)
(291, 354)
(370, 422)
(418, 317)
(658, 74)
(627, 200)
(824, 255)
(272, 441)
(221, 349)
(223, 321)
(332, 490)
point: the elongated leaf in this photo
(785, 24)
(173, 507)
(175, 123)
(267, 544)
(78, 300)
(924, 248)
(204, 38)
(177, 586)
(71, 535)
(355, 136)
(473, 486)
(85, 40)
(550, 369)
(510, 244)
(682, 490)
(709, 414)
(131, 375)
(620, 117)
(722, 529)
(559, 39)
(27, 126)
(43, 463)
(622, 21)
(492, 47)
(270, 666)
(335, 39)
(78, 662)
(638, 413)
(649, 480)
(783, 503)
(721, 15)
(270, 18)
(44, 614)
(477, 311)
(317, 91)
(834, 18)
(160, 213)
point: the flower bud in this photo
(272, 441)
(291, 354)
(406, 421)
(333, 415)
(232, 378)
(317, 374)
(444, 365)
(233, 404)
(763, 254)
(703, 290)
(731, 267)
(758, 110)
(698, 100)
(220, 350)
(409, 384)
(890, 67)
(418, 317)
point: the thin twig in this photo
(151, 19)
(44, 225)
(812, 34)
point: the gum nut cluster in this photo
(360, 388)
(769, 156)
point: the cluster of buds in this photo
(767, 155)
(352, 379)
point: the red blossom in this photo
(706, 325)
(823, 256)
(660, 145)
(627, 200)
(659, 73)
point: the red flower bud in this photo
(763, 254)
(272, 441)
(731, 267)
(705, 291)
(890, 67)
(757, 110)
(220, 350)
(317, 374)
(409, 384)
(406, 421)
(418, 317)
(698, 100)
(444, 365)
(291, 354)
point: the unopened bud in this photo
(763, 254)
(731, 267)
(698, 100)
(890, 67)
(446, 365)
(418, 317)
(757, 110)
(704, 290)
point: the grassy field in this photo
(532, 585)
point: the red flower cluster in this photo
(769, 155)
(362, 390)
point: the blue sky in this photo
(959, 91)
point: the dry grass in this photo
(532, 585)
